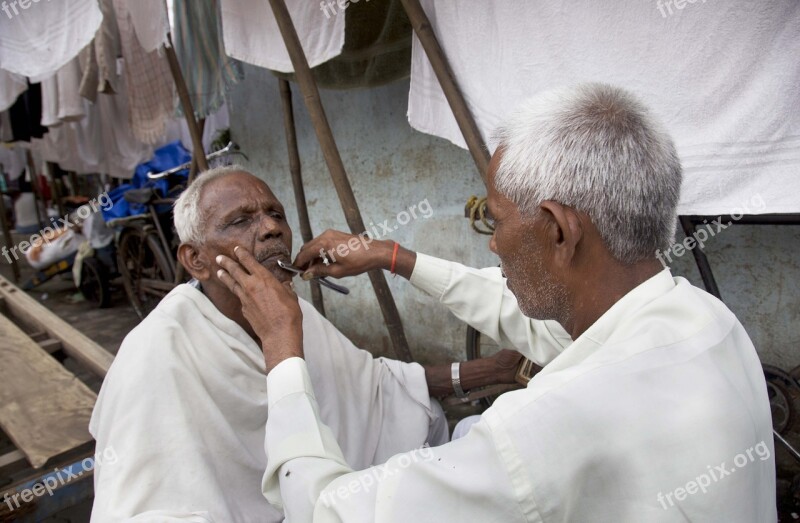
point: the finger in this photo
(232, 267)
(227, 280)
(249, 261)
(309, 253)
(326, 242)
(317, 269)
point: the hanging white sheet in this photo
(723, 76)
(40, 38)
(11, 86)
(251, 34)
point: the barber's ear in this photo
(564, 231)
(194, 262)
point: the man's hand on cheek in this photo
(271, 307)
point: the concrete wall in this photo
(392, 167)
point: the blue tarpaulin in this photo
(164, 158)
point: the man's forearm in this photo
(473, 374)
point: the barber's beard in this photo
(538, 294)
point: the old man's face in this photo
(240, 209)
(524, 247)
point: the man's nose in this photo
(268, 227)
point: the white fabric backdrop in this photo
(724, 77)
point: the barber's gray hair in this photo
(189, 220)
(598, 149)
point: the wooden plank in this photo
(44, 409)
(30, 312)
(50, 345)
(11, 457)
(38, 336)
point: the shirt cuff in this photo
(288, 377)
(431, 275)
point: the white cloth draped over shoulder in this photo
(184, 407)
(623, 425)
(251, 34)
(724, 78)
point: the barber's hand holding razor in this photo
(271, 307)
(339, 254)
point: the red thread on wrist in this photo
(394, 257)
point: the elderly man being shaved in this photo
(656, 410)
(185, 403)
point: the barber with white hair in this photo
(657, 411)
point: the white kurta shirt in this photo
(184, 407)
(658, 412)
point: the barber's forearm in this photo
(473, 374)
(404, 263)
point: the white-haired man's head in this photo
(598, 149)
(189, 219)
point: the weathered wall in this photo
(392, 167)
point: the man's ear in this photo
(564, 231)
(194, 262)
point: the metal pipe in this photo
(308, 87)
(701, 260)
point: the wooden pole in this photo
(308, 87)
(56, 188)
(297, 182)
(37, 196)
(466, 123)
(7, 236)
(193, 169)
(186, 105)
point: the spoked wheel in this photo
(95, 283)
(145, 270)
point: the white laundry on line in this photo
(723, 77)
(11, 86)
(251, 34)
(39, 39)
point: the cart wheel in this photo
(144, 268)
(94, 283)
(479, 346)
(780, 405)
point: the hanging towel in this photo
(42, 37)
(99, 59)
(209, 72)
(151, 94)
(61, 100)
(70, 103)
(724, 77)
(150, 22)
(50, 102)
(11, 86)
(251, 33)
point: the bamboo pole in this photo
(56, 188)
(37, 196)
(186, 105)
(7, 236)
(466, 123)
(308, 87)
(297, 182)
